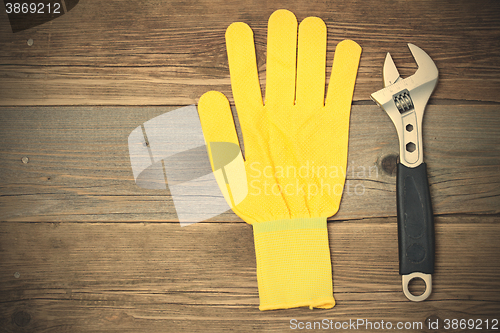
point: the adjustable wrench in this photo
(404, 100)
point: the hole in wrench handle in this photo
(427, 278)
(415, 221)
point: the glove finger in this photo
(281, 58)
(243, 70)
(223, 147)
(343, 77)
(311, 63)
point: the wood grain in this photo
(79, 167)
(103, 277)
(169, 53)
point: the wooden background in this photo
(84, 249)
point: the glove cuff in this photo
(293, 264)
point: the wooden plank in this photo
(79, 167)
(127, 277)
(164, 53)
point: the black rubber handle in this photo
(415, 221)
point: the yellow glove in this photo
(295, 144)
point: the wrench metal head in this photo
(426, 71)
(404, 100)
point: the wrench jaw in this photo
(391, 74)
(427, 70)
(404, 100)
